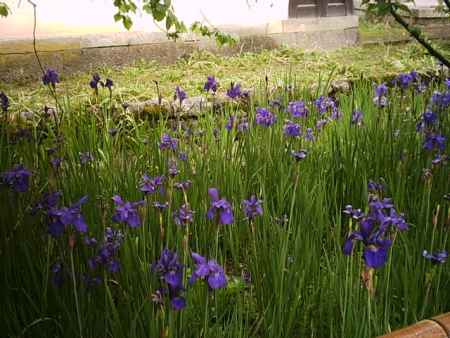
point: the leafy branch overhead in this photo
(397, 9)
(163, 12)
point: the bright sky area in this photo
(68, 17)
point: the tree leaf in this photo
(127, 22)
(4, 9)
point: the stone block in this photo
(318, 24)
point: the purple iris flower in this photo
(264, 117)
(95, 81)
(356, 214)
(127, 212)
(420, 126)
(58, 274)
(324, 104)
(336, 114)
(292, 129)
(168, 142)
(380, 98)
(234, 91)
(86, 157)
(438, 257)
(210, 271)
(381, 90)
(299, 155)
(173, 169)
(439, 158)
(180, 94)
(441, 100)
(90, 241)
(434, 141)
(374, 230)
(397, 220)
(376, 248)
(252, 207)
(170, 271)
(109, 84)
(4, 102)
(48, 201)
(321, 123)
(230, 123)
(421, 87)
(160, 206)
(113, 266)
(298, 109)
(113, 131)
(220, 207)
(405, 79)
(429, 117)
(151, 185)
(184, 185)
(242, 126)
(211, 84)
(183, 216)
(107, 253)
(91, 281)
(415, 76)
(375, 186)
(309, 135)
(18, 178)
(357, 117)
(447, 83)
(62, 217)
(182, 156)
(50, 77)
(56, 162)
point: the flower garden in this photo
(284, 210)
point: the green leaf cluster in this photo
(4, 9)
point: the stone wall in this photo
(86, 53)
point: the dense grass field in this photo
(242, 222)
(136, 81)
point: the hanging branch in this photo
(416, 34)
(52, 90)
(34, 36)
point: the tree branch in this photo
(52, 89)
(419, 37)
(34, 36)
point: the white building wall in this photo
(65, 17)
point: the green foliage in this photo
(4, 9)
(124, 7)
(220, 37)
(163, 12)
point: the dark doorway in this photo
(317, 8)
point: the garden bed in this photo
(292, 211)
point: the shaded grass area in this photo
(136, 82)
